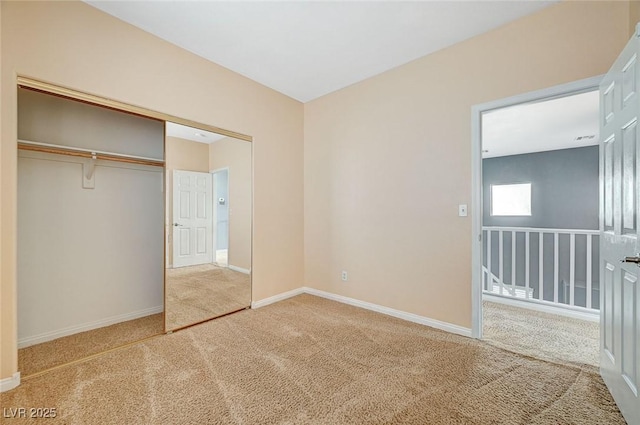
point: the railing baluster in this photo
(500, 261)
(489, 249)
(484, 277)
(513, 263)
(540, 266)
(589, 283)
(556, 237)
(526, 264)
(572, 268)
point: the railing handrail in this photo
(542, 230)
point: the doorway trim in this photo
(562, 90)
(214, 215)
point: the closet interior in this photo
(90, 229)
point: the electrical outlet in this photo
(345, 276)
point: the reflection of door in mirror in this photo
(208, 207)
(90, 229)
(192, 218)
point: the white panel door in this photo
(192, 218)
(619, 213)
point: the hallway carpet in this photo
(307, 360)
(542, 335)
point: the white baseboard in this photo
(448, 327)
(560, 311)
(239, 269)
(7, 384)
(410, 317)
(274, 299)
(59, 333)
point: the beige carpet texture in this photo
(308, 360)
(198, 293)
(541, 335)
(39, 357)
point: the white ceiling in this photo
(190, 133)
(543, 126)
(306, 49)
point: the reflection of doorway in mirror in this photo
(192, 218)
(221, 216)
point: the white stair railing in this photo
(495, 286)
(564, 290)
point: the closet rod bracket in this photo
(88, 172)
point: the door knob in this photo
(635, 259)
(176, 225)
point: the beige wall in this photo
(236, 155)
(8, 332)
(75, 45)
(634, 16)
(180, 154)
(388, 160)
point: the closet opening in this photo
(94, 226)
(90, 229)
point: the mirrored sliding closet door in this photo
(208, 227)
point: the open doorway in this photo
(221, 216)
(537, 220)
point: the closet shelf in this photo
(87, 153)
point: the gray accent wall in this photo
(564, 187)
(564, 195)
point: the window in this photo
(511, 199)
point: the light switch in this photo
(462, 210)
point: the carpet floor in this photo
(39, 357)
(541, 335)
(308, 360)
(198, 293)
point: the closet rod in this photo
(87, 153)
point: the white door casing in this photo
(192, 218)
(620, 237)
(566, 89)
